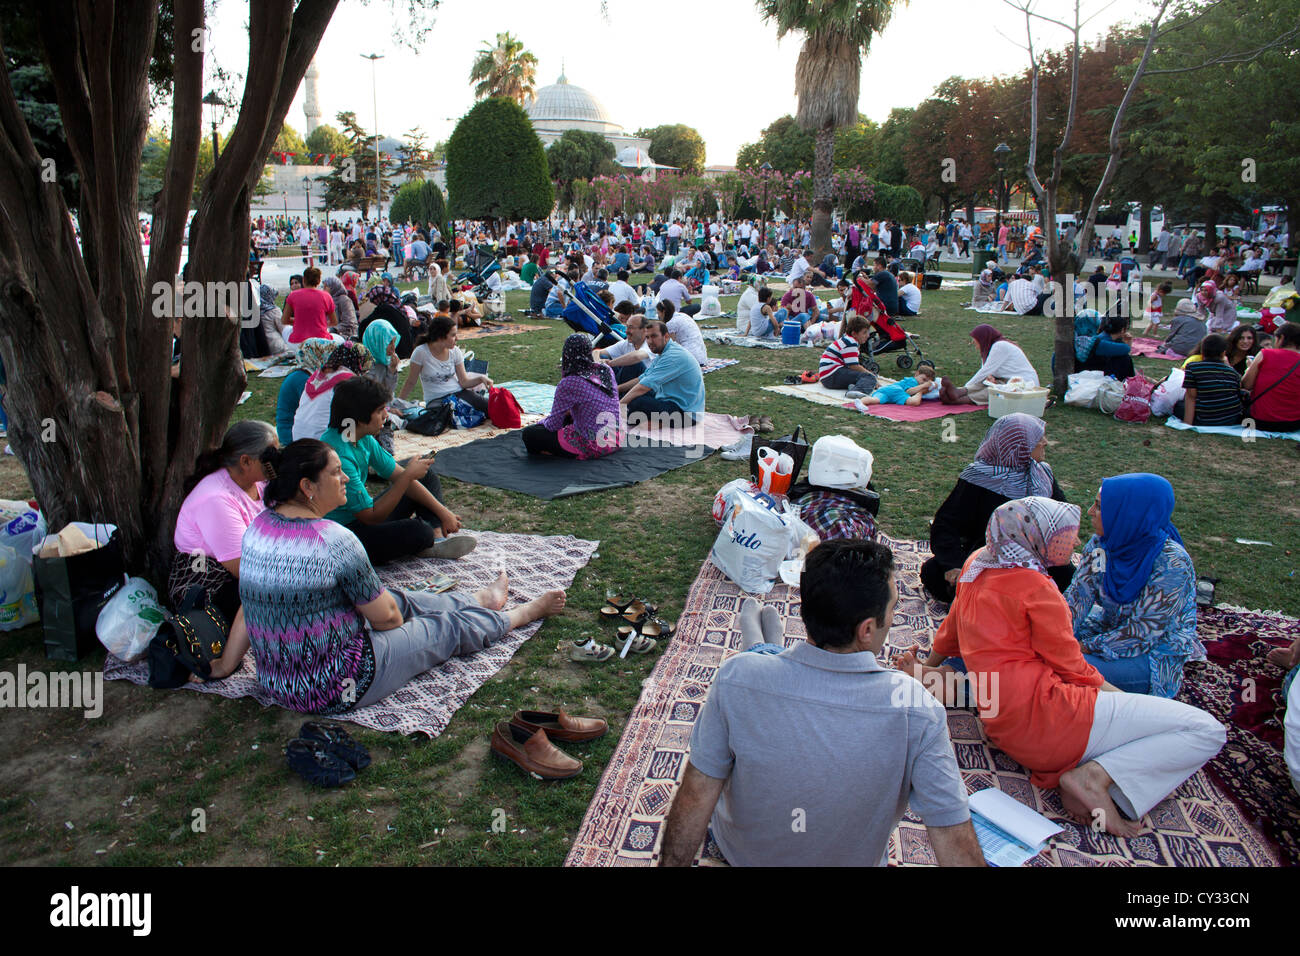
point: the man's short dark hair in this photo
(622, 275)
(660, 324)
(844, 583)
(356, 400)
(672, 273)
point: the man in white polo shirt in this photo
(810, 756)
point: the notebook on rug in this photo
(504, 462)
(427, 704)
(1198, 825)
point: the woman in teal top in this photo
(408, 518)
(1133, 597)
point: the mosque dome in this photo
(563, 106)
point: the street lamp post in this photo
(379, 202)
(285, 196)
(1000, 160)
(213, 100)
(766, 170)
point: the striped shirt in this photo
(1218, 393)
(301, 582)
(843, 351)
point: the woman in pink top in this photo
(224, 498)
(310, 309)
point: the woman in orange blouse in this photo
(1113, 755)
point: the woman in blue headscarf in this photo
(380, 340)
(1133, 598)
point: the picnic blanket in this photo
(713, 364)
(732, 337)
(535, 398)
(504, 462)
(1197, 826)
(918, 413)
(496, 328)
(711, 429)
(818, 394)
(410, 445)
(1237, 431)
(427, 704)
(1147, 348)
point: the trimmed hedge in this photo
(496, 167)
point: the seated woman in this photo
(584, 419)
(1001, 360)
(1133, 598)
(1186, 330)
(1216, 308)
(1050, 709)
(272, 320)
(1213, 387)
(326, 635)
(409, 518)
(1242, 347)
(439, 366)
(310, 310)
(985, 290)
(1273, 381)
(313, 415)
(1111, 350)
(344, 307)
(223, 498)
(909, 295)
(1008, 464)
(311, 355)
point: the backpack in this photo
(503, 409)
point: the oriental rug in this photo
(427, 704)
(1197, 826)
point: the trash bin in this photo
(984, 251)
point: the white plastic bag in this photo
(754, 540)
(1083, 388)
(744, 308)
(1168, 394)
(1110, 394)
(710, 306)
(722, 501)
(839, 462)
(17, 590)
(130, 620)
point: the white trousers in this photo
(1149, 745)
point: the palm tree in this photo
(826, 79)
(505, 70)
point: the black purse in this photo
(188, 641)
(795, 445)
(433, 421)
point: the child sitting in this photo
(909, 391)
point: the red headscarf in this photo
(985, 336)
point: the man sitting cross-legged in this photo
(811, 756)
(673, 383)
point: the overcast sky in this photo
(711, 64)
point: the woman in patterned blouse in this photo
(1133, 598)
(327, 635)
(584, 419)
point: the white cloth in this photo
(313, 415)
(1005, 361)
(619, 349)
(622, 292)
(1291, 729)
(1149, 746)
(798, 268)
(687, 334)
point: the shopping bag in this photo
(754, 540)
(130, 620)
(463, 413)
(1136, 406)
(795, 445)
(71, 590)
(504, 410)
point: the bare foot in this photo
(493, 597)
(547, 604)
(1085, 793)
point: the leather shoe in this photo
(561, 726)
(532, 752)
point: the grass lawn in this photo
(124, 789)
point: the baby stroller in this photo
(888, 336)
(588, 314)
(482, 263)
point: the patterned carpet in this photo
(1198, 826)
(410, 445)
(427, 704)
(497, 328)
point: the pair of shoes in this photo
(450, 548)
(627, 639)
(589, 652)
(793, 380)
(525, 740)
(325, 755)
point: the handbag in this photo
(432, 421)
(795, 445)
(188, 641)
(72, 590)
(504, 410)
(463, 413)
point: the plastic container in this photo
(791, 330)
(1003, 401)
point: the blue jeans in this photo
(783, 314)
(1130, 674)
(764, 648)
(647, 404)
(553, 311)
(626, 373)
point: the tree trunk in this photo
(823, 171)
(1144, 229)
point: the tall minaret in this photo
(311, 105)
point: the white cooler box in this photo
(1003, 401)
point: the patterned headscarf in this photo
(313, 353)
(267, 295)
(985, 336)
(383, 295)
(1087, 325)
(576, 360)
(1208, 290)
(378, 334)
(351, 356)
(1002, 462)
(1036, 533)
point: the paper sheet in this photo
(1009, 832)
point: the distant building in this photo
(562, 106)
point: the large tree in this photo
(579, 156)
(496, 168)
(506, 69)
(84, 330)
(352, 183)
(827, 78)
(676, 145)
(326, 141)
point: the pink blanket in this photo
(1148, 347)
(918, 413)
(712, 429)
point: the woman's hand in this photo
(486, 381)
